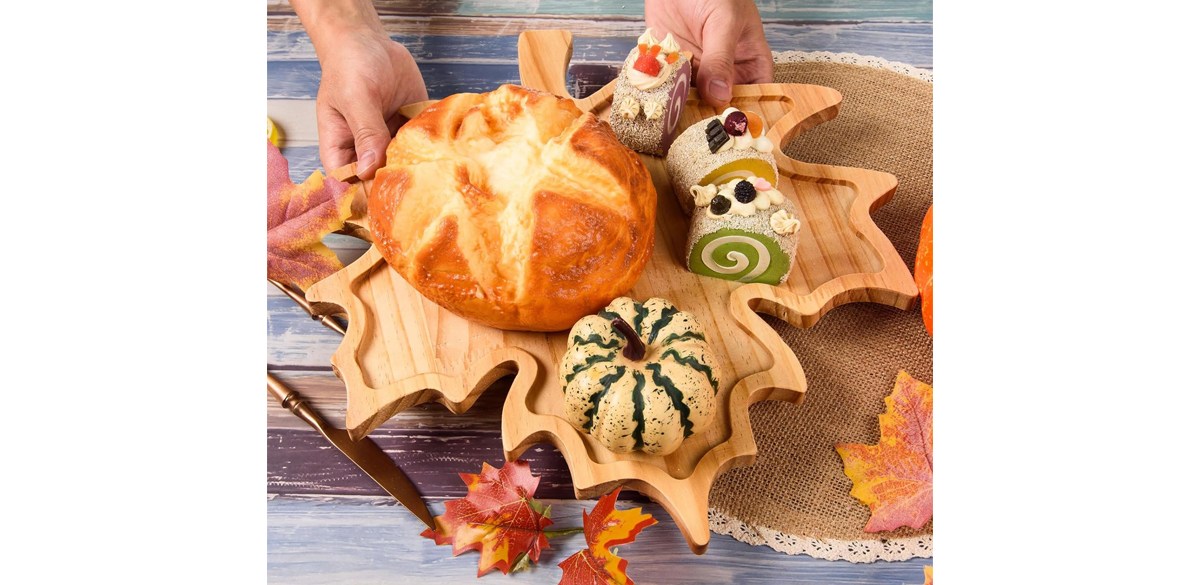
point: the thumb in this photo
(717, 46)
(371, 138)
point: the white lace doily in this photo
(855, 551)
(852, 59)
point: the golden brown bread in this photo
(514, 209)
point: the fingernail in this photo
(719, 90)
(364, 163)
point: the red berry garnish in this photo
(736, 123)
(648, 64)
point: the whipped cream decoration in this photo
(784, 223)
(765, 191)
(644, 82)
(648, 39)
(669, 46)
(702, 195)
(654, 108)
(628, 108)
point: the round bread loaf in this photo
(514, 209)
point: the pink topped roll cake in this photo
(651, 91)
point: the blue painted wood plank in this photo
(294, 339)
(808, 10)
(299, 79)
(582, 80)
(793, 10)
(293, 72)
(302, 161)
(286, 40)
(297, 46)
(301, 462)
(327, 394)
(331, 541)
(293, 45)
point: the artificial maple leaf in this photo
(298, 216)
(604, 528)
(895, 477)
(923, 271)
(498, 517)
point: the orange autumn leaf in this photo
(298, 216)
(604, 528)
(895, 477)
(923, 271)
(498, 517)
(928, 574)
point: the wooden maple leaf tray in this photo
(402, 350)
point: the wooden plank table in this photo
(328, 523)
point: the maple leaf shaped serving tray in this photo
(402, 350)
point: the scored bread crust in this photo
(514, 209)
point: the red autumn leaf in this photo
(895, 477)
(923, 271)
(604, 528)
(298, 216)
(498, 517)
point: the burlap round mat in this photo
(796, 497)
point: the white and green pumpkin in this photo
(639, 377)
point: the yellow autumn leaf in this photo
(894, 478)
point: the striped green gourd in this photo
(639, 377)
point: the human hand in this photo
(365, 78)
(725, 37)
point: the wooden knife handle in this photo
(298, 296)
(293, 401)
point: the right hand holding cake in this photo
(726, 40)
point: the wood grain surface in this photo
(359, 540)
(328, 523)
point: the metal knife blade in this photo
(364, 453)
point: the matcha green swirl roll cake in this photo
(743, 230)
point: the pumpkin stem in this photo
(635, 349)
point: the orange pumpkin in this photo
(923, 271)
